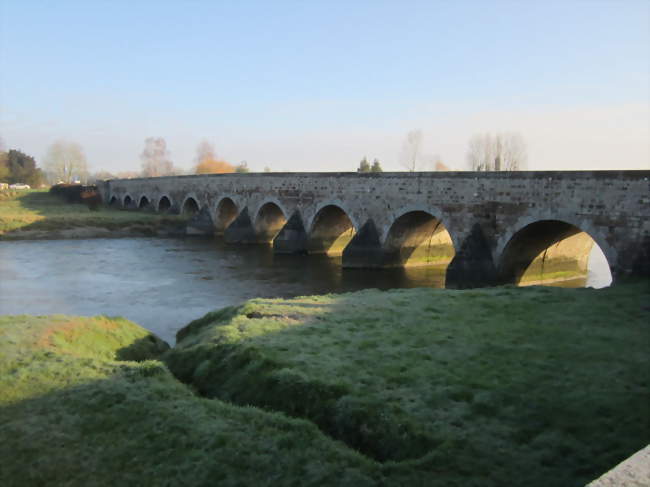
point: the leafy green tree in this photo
(364, 166)
(4, 168)
(376, 167)
(22, 169)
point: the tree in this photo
(207, 161)
(66, 162)
(204, 152)
(21, 168)
(502, 152)
(411, 150)
(4, 167)
(242, 167)
(363, 165)
(267, 169)
(212, 166)
(155, 158)
(439, 165)
(376, 167)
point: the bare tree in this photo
(155, 158)
(204, 152)
(502, 152)
(512, 153)
(66, 162)
(411, 150)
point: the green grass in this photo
(75, 412)
(39, 210)
(481, 387)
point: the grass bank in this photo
(83, 401)
(505, 386)
(39, 214)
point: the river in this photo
(163, 284)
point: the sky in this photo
(317, 85)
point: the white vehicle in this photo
(19, 186)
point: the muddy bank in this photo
(136, 230)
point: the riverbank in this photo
(84, 402)
(490, 387)
(37, 214)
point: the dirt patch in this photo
(93, 232)
(69, 330)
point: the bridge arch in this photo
(342, 206)
(225, 213)
(435, 211)
(144, 202)
(113, 201)
(127, 202)
(269, 220)
(190, 206)
(164, 204)
(416, 238)
(551, 250)
(331, 229)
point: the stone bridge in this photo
(483, 228)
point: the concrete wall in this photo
(482, 212)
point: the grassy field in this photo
(37, 210)
(490, 387)
(84, 402)
(505, 386)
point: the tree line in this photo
(65, 162)
(485, 152)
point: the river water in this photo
(163, 284)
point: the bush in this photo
(78, 193)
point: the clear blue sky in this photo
(318, 85)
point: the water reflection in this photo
(163, 284)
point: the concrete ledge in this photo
(633, 472)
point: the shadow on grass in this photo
(149, 347)
(486, 384)
(139, 426)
